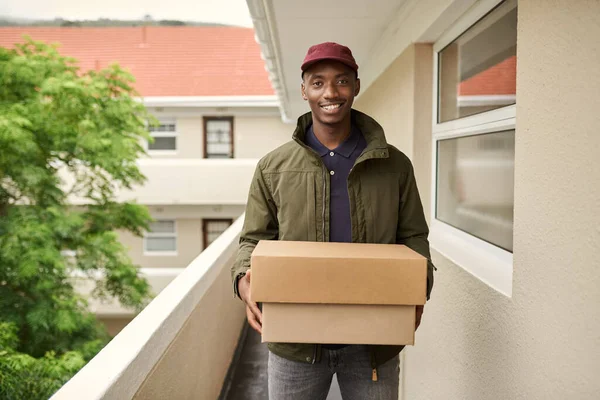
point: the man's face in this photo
(330, 88)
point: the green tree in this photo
(64, 134)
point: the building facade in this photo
(217, 114)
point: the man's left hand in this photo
(419, 316)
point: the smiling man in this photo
(338, 180)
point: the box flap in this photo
(337, 273)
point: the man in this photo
(339, 181)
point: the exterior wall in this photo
(189, 234)
(114, 325)
(190, 133)
(255, 132)
(256, 136)
(543, 343)
(400, 100)
(395, 116)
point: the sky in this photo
(232, 12)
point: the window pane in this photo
(163, 143)
(218, 126)
(162, 227)
(163, 127)
(475, 185)
(218, 139)
(477, 72)
(218, 149)
(161, 244)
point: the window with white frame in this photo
(161, 238)
(474, 142)
(164, 135)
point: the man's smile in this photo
(331, 107)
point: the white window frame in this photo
(487, 262)
(164, 235)
(164, 134)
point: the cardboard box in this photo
(346, 293)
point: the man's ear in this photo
(357, 88)
(303, 91)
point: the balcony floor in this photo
(249, 381)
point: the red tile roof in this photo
(497, 80)
(166, 61)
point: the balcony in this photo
(189, 181)
(191, 341)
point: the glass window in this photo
(161, 237)
(477, 71)
(475, 185)
(218, 136)
(160, 244)
(163, 143)
(165, 136)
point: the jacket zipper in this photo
(323, 235)
(324, 198)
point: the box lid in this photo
(337, 273)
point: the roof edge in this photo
(261, 12)
(210, 101)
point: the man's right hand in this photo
(252, 311)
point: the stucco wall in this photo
(391, 98)
(189, 234)
(543, 343)
(401, 102)
(114, 325)
(256, 136)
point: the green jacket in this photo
(289, 200)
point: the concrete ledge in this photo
(126, 363)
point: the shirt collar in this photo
(345, 149)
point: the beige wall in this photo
(114, 325)
(396, 117)
(189, 234)
(195, 364)
(401, 102)
(256, 136)
(543, 343)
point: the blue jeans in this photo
(292, 380)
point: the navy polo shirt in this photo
(339, 162)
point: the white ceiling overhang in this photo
(376, 32)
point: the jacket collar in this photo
(371, 130)
(345, 149)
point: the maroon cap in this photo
(329, 51)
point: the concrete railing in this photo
(181, 345)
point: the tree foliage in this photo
(66, 137)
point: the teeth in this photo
(331, 107)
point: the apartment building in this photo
(496, 104)
(218, 114)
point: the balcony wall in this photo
(181, 345)
(188, 181)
